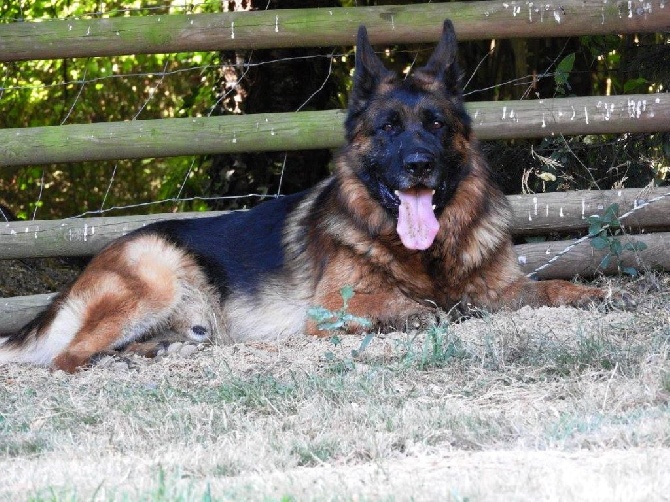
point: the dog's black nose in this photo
(419, 164)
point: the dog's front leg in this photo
(551, 293)
(381, 304)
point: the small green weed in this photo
(594, 351)
(605, 232)
(568, 425)
(328, 320)
(24, 444)
(590, 352)
(342, 364)
(287, 498)
(315, 453)
(257, 393)
(438, 349)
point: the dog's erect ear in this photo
(443, 65)
(369, 72)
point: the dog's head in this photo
(410, 135)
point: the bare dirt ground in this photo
(538, 404)
(33, 276)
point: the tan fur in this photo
(133, 286)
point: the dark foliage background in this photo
(84, 90)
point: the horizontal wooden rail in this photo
(16, 312)
(568, 211)
(76, 236)
(582, 260)
(312, 130)
(533, 215)
(326, 27)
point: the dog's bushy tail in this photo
(28, 343)
(35, 342)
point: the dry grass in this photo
(546, 404)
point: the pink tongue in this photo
(417, 225)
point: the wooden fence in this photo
(534, 214)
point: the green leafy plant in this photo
(439, 347)
(562, 73)
(328, 320)
(346, 363)
(605, 232)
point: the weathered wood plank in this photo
(533, 215)
(18, 311)
(567, 211)
(76, 236)
(171, 137)
(316, 129)
(583, 260)
(325, 27)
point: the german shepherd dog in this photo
(411, 220)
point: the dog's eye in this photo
(388, 127)
(436, 124)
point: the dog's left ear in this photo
(443, 65)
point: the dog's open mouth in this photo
(417, 224)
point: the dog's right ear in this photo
(369, 72)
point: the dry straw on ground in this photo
(539, 404)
